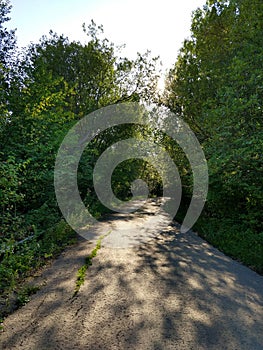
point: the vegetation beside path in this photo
(215, 86)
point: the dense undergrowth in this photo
(20, 260)
(235, 240)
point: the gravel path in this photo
(173, 292)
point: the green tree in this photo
(55, 83)
(7, 47)
(216, 87)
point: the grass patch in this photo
(235, 240)
(231, 236)
(25, 293)
(82, 271)
(18, 261)
(81, 274)
(19, 297)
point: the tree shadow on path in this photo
(173, 292)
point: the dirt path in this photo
(173, 292)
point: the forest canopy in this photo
(215, 85)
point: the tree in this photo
(7, 47)
(55, 83)
(216, 87)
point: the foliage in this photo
(7, 47)
(18, 259)
(44, 90)
(216, 88)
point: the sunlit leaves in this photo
(216, 86)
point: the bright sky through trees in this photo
(159, 26)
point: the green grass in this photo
(19, 261)
(82, 271)
(234, 239)
(231, 236)
(81, 274)
(23, 295)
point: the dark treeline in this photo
(216, 86)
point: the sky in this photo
(159, 26)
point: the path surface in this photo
(172, 292)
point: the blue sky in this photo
(159, 26)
